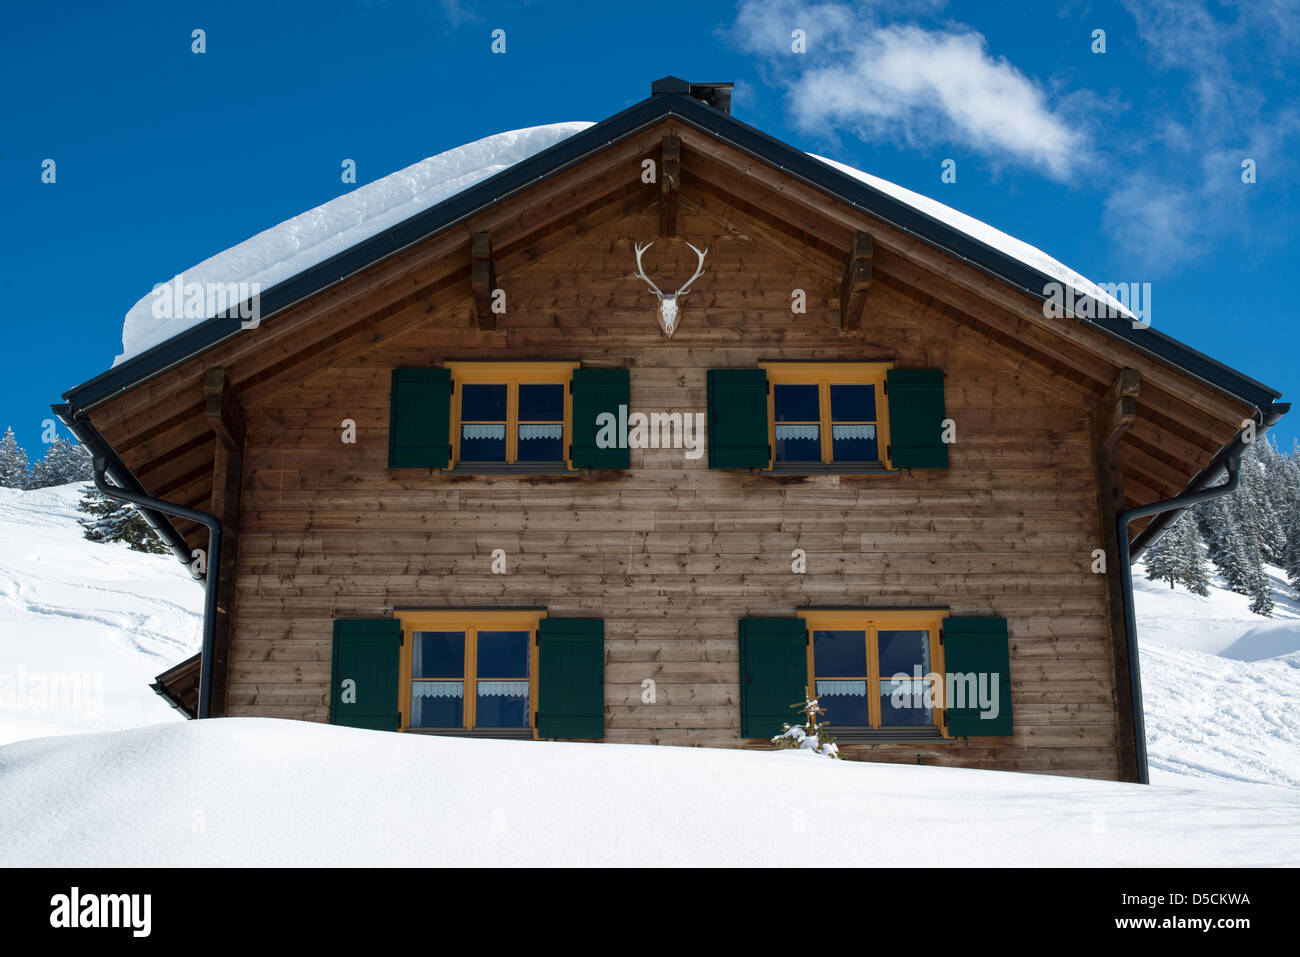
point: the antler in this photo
(640, 248)
(699, 271)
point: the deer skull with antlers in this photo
(668, 309)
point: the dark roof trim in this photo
(84, 431)
(574, 149)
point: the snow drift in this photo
(97, 620)
(250, 791)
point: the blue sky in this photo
(1125, 165)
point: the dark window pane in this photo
(541, 403)
(837, 653)
(854, 443)
(503, 654)
(904, 703)
(483, 403)
(903, 651)
(483, 442)
(502, 704)
(845, 703)
(795, 403)
(853, 403)
(437, 704)
(541, 443)
(798, 443)
(438, 654)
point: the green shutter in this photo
(571, 678)
(773, 674)
(979, 647)
(738, 419)
(916, 414)
(419, 434)
(366, 662)
(596, 392)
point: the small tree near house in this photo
(809, 736)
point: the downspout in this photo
(1232, 462)
(204, 705)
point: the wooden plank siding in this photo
(670, 553)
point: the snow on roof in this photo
(308, 239)
(983, 232)
(295, 245)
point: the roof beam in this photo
(670, 183)
(1116, 410)
(483, 277)
(856, 281)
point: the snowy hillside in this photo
(247, 791)
(84, 627)
(1221, 685)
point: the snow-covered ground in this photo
(247, 791)
(1221, 686)
(84, 627)
(1222, 692)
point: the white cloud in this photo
(923, 86)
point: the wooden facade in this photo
(1058, 428)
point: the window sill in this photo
(888, 736)
(469, 469)
(512, 734)
(845, 468)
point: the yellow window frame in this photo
(471, 622)
(873, 621)
(512, 375)
(824, 375)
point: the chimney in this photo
(716, 95)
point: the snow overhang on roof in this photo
(341, 252)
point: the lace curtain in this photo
(849, 689)
(438, 689)
(504, 689)
(797, 431)
(555, 431)
(853, 431)
(483, 431)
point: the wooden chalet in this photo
(916, 476)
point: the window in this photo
(827, 415)
(470, 670)
(512, 415)
(874, 669)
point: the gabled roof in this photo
(671, 98)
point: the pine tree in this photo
(1176, 557)
(64, 462)
(13, 462)
(1195, 575)
(1162, 559)
(112, 520)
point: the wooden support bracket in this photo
(856, 281)
(1116, 410)
(670, 183)
(224, 412)
(483, 277)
